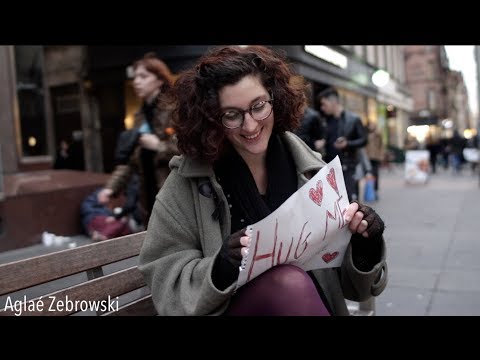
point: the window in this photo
(31, 100)
(432, 100)
(67, 104)
(359, 51)
(431, 70)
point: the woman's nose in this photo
(249, 123)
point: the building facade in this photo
(439, 94)
(84, 92)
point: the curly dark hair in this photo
(196, 119)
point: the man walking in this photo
(345, 136)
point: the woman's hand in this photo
(364, 220)
(235, 247)
(150, 141)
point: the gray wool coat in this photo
(183, 239)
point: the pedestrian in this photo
(62, 158)
(152, 142)
(240, 161)
(345, 136)
(457, 144)
(312, 127)
(100, 222)
(434, 148)
(375, 151)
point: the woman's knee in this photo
(290, 277)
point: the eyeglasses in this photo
(259, 111)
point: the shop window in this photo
(68, 104)
(31, 100)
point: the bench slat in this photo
(22, 274)
(112, 285)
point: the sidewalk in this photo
(41, 249)
(433, 245)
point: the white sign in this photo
(308, 230)
(327, 54)
(417, 165)
(470, 154)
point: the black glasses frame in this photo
(249, 110)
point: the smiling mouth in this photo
(254, 136)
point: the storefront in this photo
(388, 106)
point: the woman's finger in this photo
(362, 227)
(351, 210)
(356, 220)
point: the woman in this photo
(240, 162)
(152, 144)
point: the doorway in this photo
(68, 123)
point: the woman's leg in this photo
(284, 290)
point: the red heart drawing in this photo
(331, 180)
(327, 257)
(317, 195)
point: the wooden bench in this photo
(96, 279)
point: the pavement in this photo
(432, 245)
(41, 249)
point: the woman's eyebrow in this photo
(258, 98)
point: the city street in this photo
(67, 111)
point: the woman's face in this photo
(250, 139)
(146, 84)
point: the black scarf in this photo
(148, 110)
(247, 206)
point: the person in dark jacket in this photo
(345, 136)
(103, 221)
(126, 143)
(153, 140)
(62, 158)
(312, 128)
(100, 221)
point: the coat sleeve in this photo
(172, 260)
(167, 148)
(358, 285)
(122, 174)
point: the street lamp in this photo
(380, 78)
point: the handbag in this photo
(369, 193)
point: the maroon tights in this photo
(284, 290)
